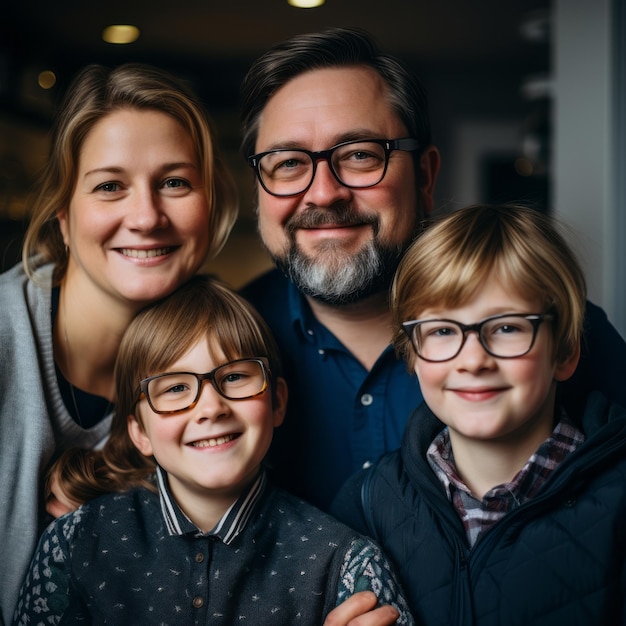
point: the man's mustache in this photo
(341, 216)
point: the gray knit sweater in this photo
(34, 423)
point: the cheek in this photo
(90, 223)
(164, 432)
(260, 417)
(397, 208)
(273, 213)
(529, 371)
(430, 375)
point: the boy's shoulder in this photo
(112, 512)
(289, 511)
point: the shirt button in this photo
(366, 399)
(310, 332)
(199, 557)
(367, 464)
(197, 602)
(320, 351)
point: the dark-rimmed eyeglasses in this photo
(174, 392)
(355, 164)
(502, 336)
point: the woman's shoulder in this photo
(24, 303)
(15, 281)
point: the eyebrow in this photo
(115, 169)
(352, 135)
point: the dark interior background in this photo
(486, 65)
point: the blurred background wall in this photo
(527, 100)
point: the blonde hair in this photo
(95, 92)
(457, 253)
(159, 335)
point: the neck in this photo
(484, 465)
(206, 507)
(87, 334)
(364, 327)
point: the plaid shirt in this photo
(480, 515)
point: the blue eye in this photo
(176, 183)
(108, 187)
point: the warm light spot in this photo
(46, 79)
(306, 4)
(523, 166)
(120, 34)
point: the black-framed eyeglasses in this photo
(355, 164)
(503, 336)
(174, 392)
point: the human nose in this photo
(473, 356)
(145, 212)
(210, 405)
(325, 188)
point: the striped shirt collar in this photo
(229, 526)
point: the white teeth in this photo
(144, 254)
(210, 443)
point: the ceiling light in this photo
(120, 33)
(46, 79)
(306, 4)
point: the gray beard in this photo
(333, 276)
(336, 278)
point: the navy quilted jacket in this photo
(558, 559)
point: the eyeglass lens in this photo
(440, 340)
(178, 390)
(356, 164)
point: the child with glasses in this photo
(185, 528)
(498, 508)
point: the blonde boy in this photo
(499, 508)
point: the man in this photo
(338, 135)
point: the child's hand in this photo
(358, 610)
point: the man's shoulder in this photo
(271, 294)
(265, 289)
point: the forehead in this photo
(124, 135)
(322, 107)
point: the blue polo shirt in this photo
(341, 417)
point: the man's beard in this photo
(334, 276)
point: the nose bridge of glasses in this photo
(213, 384)
(473, 329)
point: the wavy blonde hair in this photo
(94, 93)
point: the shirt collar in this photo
(229, 526)
(302, 315)
(311, 329)
(565, 438)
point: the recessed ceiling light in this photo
(120, 33)
(306, 4)
(46, 79)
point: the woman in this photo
(134, 198)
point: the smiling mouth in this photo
(145, 254)
(211, 443)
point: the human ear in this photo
(63, 220)
(430, 162)
(279, 405)
(138, 436)
(566, 368)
